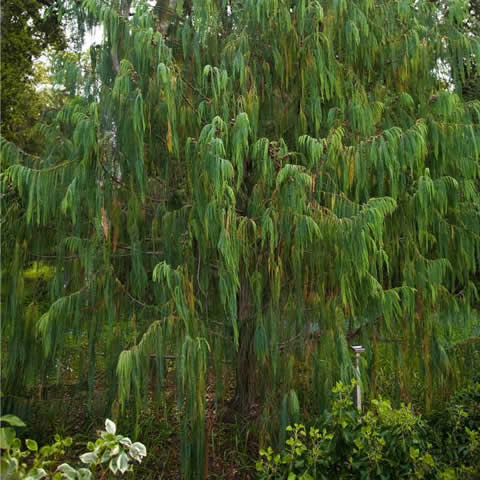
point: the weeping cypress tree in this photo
(249, 187)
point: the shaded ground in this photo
(231, 450)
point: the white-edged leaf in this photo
(140, 448)
(137, 451)
(126, 441)
(84, 474)
(107, 455)
(113, 465)
(8, 465)
(122, 462)
(67, 471)
(88, 458)
(37, 474)
(110, 426)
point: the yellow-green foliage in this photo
(39, 271)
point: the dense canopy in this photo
(247, 188)
(27, 30)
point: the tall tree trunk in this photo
(428, 370)
(245, 368)
(374, 367)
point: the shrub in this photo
(109, 452)
(456, 430)
(383, 443)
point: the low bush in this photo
(383, 443)
(456, 432)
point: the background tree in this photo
(249, 189)
(29, 27)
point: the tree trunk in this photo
(245, 368)
(374, 366)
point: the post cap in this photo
(357, 348)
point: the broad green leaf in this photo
(7, 436)
(12, 420)
(31, 445)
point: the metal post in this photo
(358, 349)
(359, 393)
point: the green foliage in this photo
(36, 463)
(383, 443)
(457, 433)
(246, 188)
(303, 454)
(33, 462)
(118, 451)
(28, 28)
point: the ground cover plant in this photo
(227, 197)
